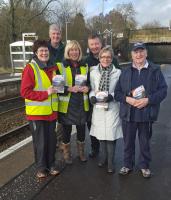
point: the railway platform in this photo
(85, 181)
(9, 86)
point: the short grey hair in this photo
(54, 27)
(106, 49)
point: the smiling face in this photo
(105, 59)
(95, 45)
(74, 54)
(43, 54)
(139, 57)
(55, 37)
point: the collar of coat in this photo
(151, 65)
(60, 46)
(68, 62)
(114, 70)
(42, 65)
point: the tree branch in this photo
(42, 11)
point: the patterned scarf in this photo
(105, 77)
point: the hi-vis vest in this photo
(42, 83)
(64, 100)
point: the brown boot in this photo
(80, 146)
(66, 153)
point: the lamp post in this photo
(66, 28)
(111, 33)
(111, 37)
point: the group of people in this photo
(129, 103)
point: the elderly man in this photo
(140, 90)
(95, 45)
(56, 47)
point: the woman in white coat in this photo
(106, 124)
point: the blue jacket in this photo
(156, 91)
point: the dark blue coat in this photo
(56, 54)
(156, 91)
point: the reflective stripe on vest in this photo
(42, 83)
(64, 100)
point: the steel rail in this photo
(10, 99)
(13, 132)
(11, 110)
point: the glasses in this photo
(43, 51)
(106, 57)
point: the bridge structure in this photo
(157, 40)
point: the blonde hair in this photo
(106, 49)
(70, 45)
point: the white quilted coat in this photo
(106, 125)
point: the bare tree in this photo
(18, 16)
(65, 10)
(153, 24)
(94, 24)
(119, 19)
(22, 12)
(128, 13)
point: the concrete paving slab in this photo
(12, 165)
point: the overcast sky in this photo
(146, 10)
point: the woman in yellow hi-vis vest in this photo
(41, 108)
(73, 104)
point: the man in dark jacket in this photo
(140, 90)
(95, 45)
(55, 45)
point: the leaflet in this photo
(80, 80)
(138, 92)
(100, 96)
(58, 83)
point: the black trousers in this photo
(66, 136)
(44, 143)
(95, 144)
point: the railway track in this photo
(11, 110)
(11, 103)
(14, 132)
(13, 123)
(12, 119)
(14, 136)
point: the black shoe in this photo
(93, 154)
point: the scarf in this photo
(105, 77)
(42, 65)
